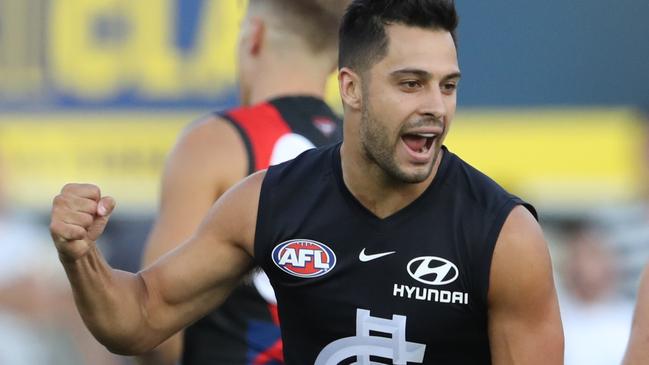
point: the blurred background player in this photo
(596, 315)
(638, 349)
(287, 50)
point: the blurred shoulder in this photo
(210, 148)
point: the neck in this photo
(373, 188)
(286, 75)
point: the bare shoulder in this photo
(210, 148)
(209, 128)
(521, 226)
(524, 320)
(521, 255)
(208, 158)
(236, 212)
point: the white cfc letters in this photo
(362, 346)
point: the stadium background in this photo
(551, 104)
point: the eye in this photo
(410, 85)
(449, 87)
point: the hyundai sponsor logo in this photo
(432, 270)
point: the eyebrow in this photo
(423, 74)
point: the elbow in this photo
(136, 336)
(123, 350)
(123, 347)
(128, 348)
(130, 332)
(126, 344)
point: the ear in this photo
(257, 34)
(350, 86)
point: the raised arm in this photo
(132, 313)
(637, 352)
(524, 321)
(208, 159)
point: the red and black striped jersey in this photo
(244, 330)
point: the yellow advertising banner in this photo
(553, 157)
(557, 157)
(122, 153)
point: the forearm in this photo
(111, 303)
(133, 313)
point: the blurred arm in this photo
(208, 159)
(524, 320)
(638, 349)
(132, 313)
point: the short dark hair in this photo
(362, 37)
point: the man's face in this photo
(409, 100)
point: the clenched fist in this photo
(79, 216)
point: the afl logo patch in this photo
(304, 258)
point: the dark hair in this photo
(362, 38)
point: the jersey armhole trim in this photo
(245, 139)
(260, 234)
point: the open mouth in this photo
(419, 142)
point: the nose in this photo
(433, 104)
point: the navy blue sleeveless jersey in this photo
(353, 288)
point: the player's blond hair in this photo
(315, 21)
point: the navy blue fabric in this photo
(457, 218)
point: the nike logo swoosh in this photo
(365, 257)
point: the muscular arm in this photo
(637, 352)
(524, 321)
(208, 159)
(132, 313)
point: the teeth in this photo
(426, 135)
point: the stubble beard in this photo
(379, 148)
